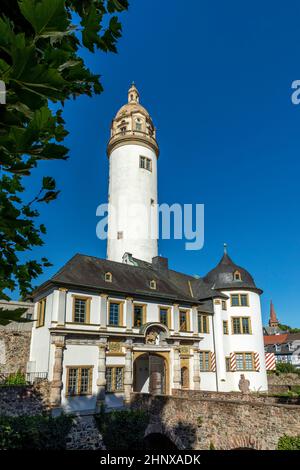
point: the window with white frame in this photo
(145, 163)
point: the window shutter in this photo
(256, 362)
(270, 361)
(232, 362)
(213, 361)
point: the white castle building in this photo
(105, 328)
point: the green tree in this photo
(40, 64)
(122, 429)
(286, 367)
(288, 443)
(288, 328)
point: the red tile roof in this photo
(275, 339)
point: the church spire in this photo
(273, 318)
(133, 94)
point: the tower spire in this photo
(273, 317)
(225, 248)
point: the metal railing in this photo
(16, 378)
(32, 377)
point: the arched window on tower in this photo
(237, 276)
(153, 284)
(138, 124)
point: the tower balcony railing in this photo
(131, 134)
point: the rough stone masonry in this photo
(211, 423)
(15, 340)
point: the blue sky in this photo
(216, 78)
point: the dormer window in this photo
(108, 277)
(153, 284)
(237, 276)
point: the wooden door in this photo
(157, 374)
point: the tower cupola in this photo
(132, 124)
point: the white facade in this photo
(181, 348)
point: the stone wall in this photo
(251, 397)
(15, 340)
(209, 423)
(33, 400)
(14, 350)
(84, 435)
(283, 379)
(283, 382)
(27, 400)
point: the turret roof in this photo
(222, 276)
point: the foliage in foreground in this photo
(122, 429)
(286, 368)
(288, 443)
(34, 432)
(40, 42)
(17, 378)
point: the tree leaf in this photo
(49, 183)
(45, 15)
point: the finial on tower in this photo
(133, 94)
(225, 248)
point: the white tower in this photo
(132, 195)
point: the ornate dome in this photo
(228, 275)
(129, 108)
(132, 124)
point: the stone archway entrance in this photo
(150, 374)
